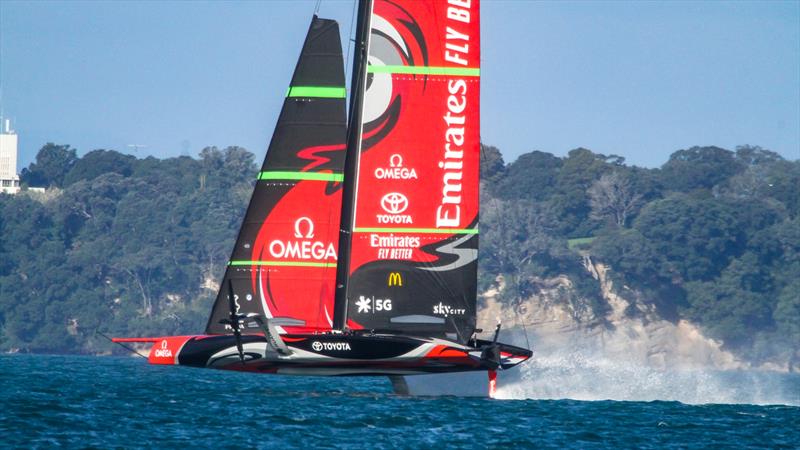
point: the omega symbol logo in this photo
(317, 346)
(164, 344)
(298, 228)
(394, 203)
(395, 161)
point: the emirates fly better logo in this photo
(394, 203)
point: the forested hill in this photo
(135, 246)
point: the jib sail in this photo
(414, 217)
(284, 261)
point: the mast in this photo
(358, 84)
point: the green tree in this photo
(570, 202)
(699, 168)
(735, 306)
(532, 176)
(697, 238)
(493, 167)
(52, 164)
(787, 314)
(100, 162)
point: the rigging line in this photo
(316, 8)
(517, 314)
(525, 330)
(350, 38)
(121, 344)
(516, 308)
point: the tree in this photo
(492, 165)
(238, 163)
(99, 162)
(787, 313)
(632, 255)
(753, 155)
(127, 243)
(736, 305)
(570, 201)
(698, 238)
(613, 196)
(699, 168)
(53, 162)
(532, 176)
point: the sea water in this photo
(115, 402)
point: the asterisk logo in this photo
(363, 304)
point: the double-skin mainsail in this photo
(409, 251)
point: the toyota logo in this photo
(317, 346)
(394, 203)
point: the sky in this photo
(636, 79)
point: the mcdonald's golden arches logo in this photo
(395, 279)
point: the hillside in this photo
(134, 246)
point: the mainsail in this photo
(411, 257)
(284, 261)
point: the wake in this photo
(581, 376)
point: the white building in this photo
(9, 180)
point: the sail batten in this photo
(418, 230)
(316, 92)
(281, 263)
(309, 176)
(426, 70)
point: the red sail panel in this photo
(293, 261)
(414, 249)
(284, 260)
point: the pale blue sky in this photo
(639, 79)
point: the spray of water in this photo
(593, 377)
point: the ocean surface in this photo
(119, 402)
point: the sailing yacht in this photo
(358, 251)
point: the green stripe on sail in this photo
(281, 263)
(316, 91)
(418, 230)
(286, 175)
(424, 70)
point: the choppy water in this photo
(72, 401)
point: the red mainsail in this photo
(413, 255)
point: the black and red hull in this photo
(331, 354)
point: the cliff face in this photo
(627, 353)
(631, 331)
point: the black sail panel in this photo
(284, 260)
